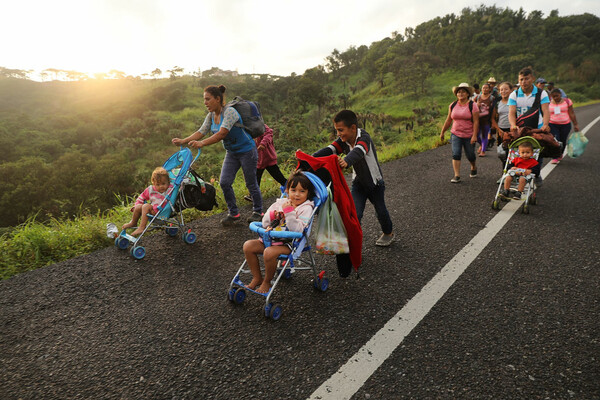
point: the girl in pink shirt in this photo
(561, 116)
(149, 200)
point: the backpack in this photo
(252, 120)
(195, 193)
(531, 118)
(470, 107)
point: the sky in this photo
(251, 36)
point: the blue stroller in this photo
(529, 193)
(287, 264)
(178, 166)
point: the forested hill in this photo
(69, 146)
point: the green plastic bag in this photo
(331, 233)
(576, 144)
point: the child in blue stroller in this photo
(284, 233)
(291, 213)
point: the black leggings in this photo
(275, 173)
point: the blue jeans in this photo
(561, 132)
(376, 197)
(231, 165)
(458, 143)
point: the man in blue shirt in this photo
(521, 101)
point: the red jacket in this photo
(343, 200)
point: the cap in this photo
(540, 80)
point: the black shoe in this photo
(516, 195)
(473, 173)
(255, 217)
(229, 220)
(504, 194)
(456, 179)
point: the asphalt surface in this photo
(520, 323)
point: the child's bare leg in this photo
(137, 211)
(507, 182)
(146, 209)
(270, 256)
(251, 249)
(522, 182)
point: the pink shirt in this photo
(462, 126)
(559, 113)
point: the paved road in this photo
(521, 322)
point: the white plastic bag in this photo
(331, 233)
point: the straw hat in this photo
(492, 80)
(465, 86)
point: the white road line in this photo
(352, 375)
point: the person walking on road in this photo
(267, 159)
(561, 116)
(529, 99)
(463, 115)
(485, 102)
(240, 151)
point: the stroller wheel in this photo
(275, 312)
(525, 209)
(534, 199)
(189, 237)
(231, 294)
(496, 205)
(121, 243)
(138, 252)
(268, 310)
(239, 296)
(324, 284)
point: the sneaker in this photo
(538, 181)
(229, 220)
(473, 173)
(555, 161)
(248, 198)
(456, 179)
(385, 240)
(516, 195)
(504, 194)
(255, 217)
(560, 158)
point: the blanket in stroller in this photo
(551, 148)
(343, 199)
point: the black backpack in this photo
(252, 120)
(531, 117)
(195, 193)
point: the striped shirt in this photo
(361, 155)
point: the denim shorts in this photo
(458, 144)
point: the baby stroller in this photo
(287, 264)
(529, 193)
(178, 167)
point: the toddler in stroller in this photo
(521, 163)
(284, 233)
(158, 205)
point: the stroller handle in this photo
(197, 155)
(257, 227)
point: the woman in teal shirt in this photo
(240, 151)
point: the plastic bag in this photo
(331, 233)
(576, 144)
